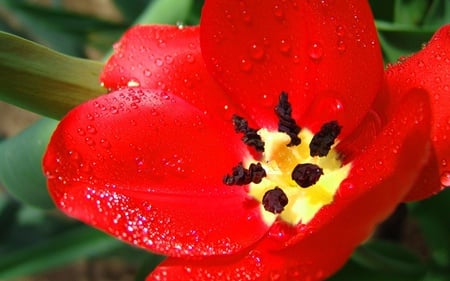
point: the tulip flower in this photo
(264, 144)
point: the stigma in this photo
(297, 173)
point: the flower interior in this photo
(298, 172)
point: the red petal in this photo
(147, 167)
(324, 54)
(166, 58)
(430, 70)
(313, 260)
(379, 179)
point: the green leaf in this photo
(399, 40)
(20, 159)
(131, 10)
(44, 81)
(353, 271)
(434, 220)
(381, 260)
(58, 28)
(166, 11)
(410, 11)
(77, 242)
(388, 257)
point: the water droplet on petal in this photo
(91, 129)
(285, 47)
(278, 12)
(341, 46)
(267, 100)
(74, 155)
(340, 30)
(180, 25)
(113, 110)
(316, 51)
(246, 65)
(89, 141)
(105, 144)
(169, 59)
(445, 179)
(246, 16)
(133, 83)
(159, 62)
(190, 58)
(81, 132)
(147, 73)
(256, 52)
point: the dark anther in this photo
(322, 141)
(250, 137)
(241, 176)
(275, 200)
(286, 123)
(306, 175)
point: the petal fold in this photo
(325, 54)
(147, 167)
(429, 69)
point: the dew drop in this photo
(113, 110)
(445, 179)
(246, 65)
(340, 30)
(74, 155)
(246, 16)
(190, 58)
(133, 83)
(89, 141)
(256, 52)
(90, 117)
(420, 63)
(81, 132)
(180, 25)
(316, 51)
(267, 100)
(161, 43)
(147, 73)
(169, 59)
(278, 12)
(159, 62)
(105, 144)
(285, 47)
(341, 46)
(91, 129)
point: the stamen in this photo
(286, 123)
(251, 136)
(322, 141)
(241, 176)
(275, 200)
(306, 175)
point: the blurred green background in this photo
(39, 243)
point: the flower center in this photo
(298, 172)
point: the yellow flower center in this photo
(279, 161)
(296, 174)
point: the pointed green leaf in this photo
(20, 162)
(44, 81)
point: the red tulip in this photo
(264, 144)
